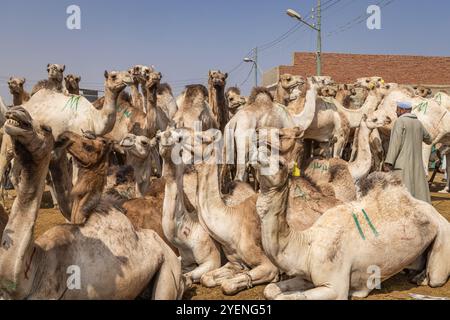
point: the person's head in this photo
(403, 107)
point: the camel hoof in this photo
(421, 279)
(271, 291)
(188, 283)
(229, 288)
(208, 281)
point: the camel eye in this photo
(114, 77)
(144, 143)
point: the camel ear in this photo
(78, 79)
(160, 75)
(48, 66)
(226, 75)
(23, 80)
(106, 74)
(63, 68)
(430, 91)
(364, 117)
(11, 79)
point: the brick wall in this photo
(346, 68)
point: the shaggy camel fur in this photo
(16, 88)
(41, 269)
(235, 100)
(200, 254)
(217, 81)
(194, 111)
(386, 229)
(55, 81)
(72, 84)
(236, 228)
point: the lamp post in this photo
(294, 14)
(255, 65)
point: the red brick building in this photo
(346, 68)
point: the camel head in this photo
(288, 82)
(152, 79)
(32, 142)
(274, 164)
(422, 91)
(217, 78)
(88, 150)
(234, 98)
(56, 71)
(72, 82)
(369, 83)
(169, 139)
(376, 120)
(324, 81)
(138, 146)
(140, 72)
(195, 94)
(328, 91)
(16, 85)
(347, 89)
(117, 81)
(260, 96)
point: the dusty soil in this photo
(397, 288)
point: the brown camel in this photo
(234, 100)
(16, 87)
(217, 101)
(132, 260)
(72, 84)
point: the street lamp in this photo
(294, 14)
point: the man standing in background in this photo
(405, 152)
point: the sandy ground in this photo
(397, 288)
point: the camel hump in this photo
(379, 180)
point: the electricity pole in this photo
(317, 27)
(256, 66)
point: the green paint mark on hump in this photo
(422, 107)
(374, 230)
(72, 103)
(361, 233)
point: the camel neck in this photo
(17, 251)
(152, 115)
(272, 207)
(363, 162)
(306, 117)
(136, 96)
(18, 99)
(108, 113)
(218, 105)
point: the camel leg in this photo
(6, 156)
(426, 153)
(438, 265)
(273, 290)
(319, 293)
(49, 183)
(339, 146)
(62, 183)
(354, 146)
(215, 278)
(168, 282)
(196, 274)
(264, 273)
(241, 158)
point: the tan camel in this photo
(260, 111)
(156, 118)
(72, 84)
(341, 176)
(236, 228)
(217, 81)
(42, 269)
(139, 74)
(443, 99)
(200, 254)
(385, 232)
(235, 101)
(194, 111)
(345, 94)
(166, 100)
(16, 88)
(286, 84)
(55, 81)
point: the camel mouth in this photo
(236, 105)
(18, 120)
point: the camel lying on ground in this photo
(386, 230)
(131, 259)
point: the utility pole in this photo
(256, 66)
(319, 38)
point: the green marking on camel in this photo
(438, 98)
(8, 285)
(358, 225)
(319, 166)
(374, 230)
(422, 107)
(361, 233)
(124, 111)
(72, 103)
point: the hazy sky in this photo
(184, 39)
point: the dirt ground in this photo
(397, 288)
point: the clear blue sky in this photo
(184, 39)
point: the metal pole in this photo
(256, 66)
(319, 38)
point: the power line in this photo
(248, 76)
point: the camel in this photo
(235, 101)
(260, 111)
(140, 156)
(386, 230)
(55, 81)
(16, 87)
(286, 84)
(41, 269)
(217, 100)
(194, 111)
(235, 228)
(341, 176)
(72, 84)
(139, 74)
(434, 117)
(422, 91)
(200, 254)
(443, 99)
(166, 100)
(345, 94)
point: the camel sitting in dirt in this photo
(235, 101)
(235, 228)
(194, 111)
(200, 254)
(341, 176)
(55, 81)
(16, 88)
(72, 84)
(132, 259)
(386, 230)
